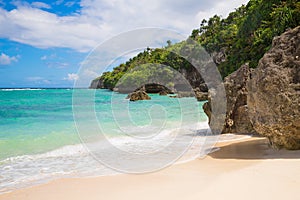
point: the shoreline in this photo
(190, 155)
(235, 170)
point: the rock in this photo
(215, 108)
(138, 95)
(152, 88)
(96, 84)
(203, 87)
(274, 94)
(182, 94)
(207, 109)
(157, 88)
(220, 56)
(197, 93)
(193, 77)
(200, 96)
(237, 118)
(163, 93)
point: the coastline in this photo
(240, 169)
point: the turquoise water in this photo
(39, 139)
(35, 121)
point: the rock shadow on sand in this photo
(253, 150)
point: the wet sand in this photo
(244, 169)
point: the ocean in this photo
(41, 138)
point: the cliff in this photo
(266, 100)
(274, 92)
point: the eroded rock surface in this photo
(237, 118)
(274, 92)
(138, 95)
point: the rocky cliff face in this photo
(191, 75)
(237, 117)
(274, 92)
(154, 88)
(97, 84)
(267, 100)
(197, 89)
(194, 78)
(220, 56)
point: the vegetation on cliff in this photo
(246, 34)
(243, 37)
(148, 63)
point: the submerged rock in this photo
(274, 92)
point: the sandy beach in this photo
(244, 169)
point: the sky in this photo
(43, 43)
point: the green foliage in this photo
(146, 73)
(244, 36)
(145, 66)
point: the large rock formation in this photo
(197, 93)
(237, 118)
(274, 92)
(155, 88)
(152, 88)
(97, 84)
(192, 76)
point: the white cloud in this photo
(52, 56)
(54, 61)
(98, 20)
(2, 3)
(34, 78)
(222, 8)
(71, 77)
(57, 65)
(44, 57)
(45, 81)
(7, 60)
(38, 4)
(58, 2)
(70, 3)
(38, 80)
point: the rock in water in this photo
(274, 92)
(200, 96)
(163, 93)
(151, 88)
(138, 95)
(237, 118)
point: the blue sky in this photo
(43, 43)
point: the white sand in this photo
(246, 169)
